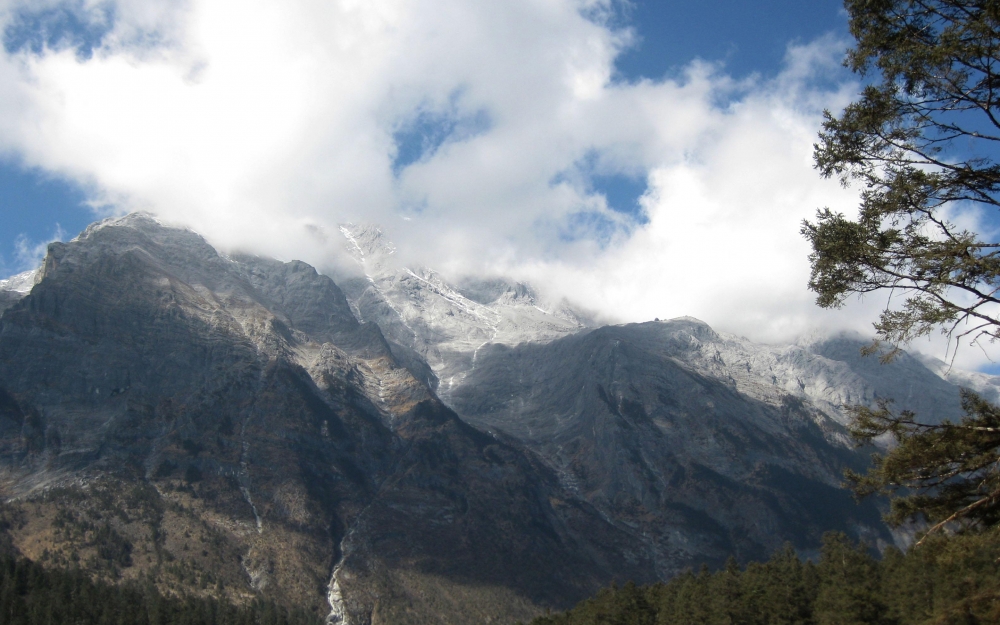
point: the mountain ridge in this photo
(446, 324)
(144, 362)
(226, 425)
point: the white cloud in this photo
(263, 125)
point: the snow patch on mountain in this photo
(446, 324)
(20, 283)
(983, 383)
(16, 287)
(828, 372)
(450, 323)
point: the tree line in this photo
(946, 581)
(31, 594)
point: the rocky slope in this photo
(226, 425)
(827, 373)
(699, 467)
(709, 444)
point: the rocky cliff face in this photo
(227, 425)
(711, 444)
(699, 466)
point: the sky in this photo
(644, 158)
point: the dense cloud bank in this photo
(484, 137)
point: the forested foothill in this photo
(31, 594)
(946, 580)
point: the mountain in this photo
(446, 324)
(699, 466)
(225, 424)
(15, 287)
(702, 444)
(705, 443)
(397, 448)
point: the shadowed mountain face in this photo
(699, 468)
(226, 425)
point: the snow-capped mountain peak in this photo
(445, 323)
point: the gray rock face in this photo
(247, 395)
(698, 467)
(705, 442)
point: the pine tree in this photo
(920, 141)
(849, 588)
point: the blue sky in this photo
(749, 36)
(35, 207)
(746, 37)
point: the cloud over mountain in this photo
(484, 137)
